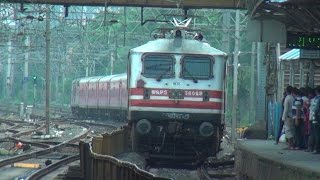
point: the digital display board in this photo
(301, 40)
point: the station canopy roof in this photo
(186, 4)
(300, 54)
(297, 15)
(290, 55)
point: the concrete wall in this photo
(250, 166)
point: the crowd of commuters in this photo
(301, 119)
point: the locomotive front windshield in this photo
(158, 66)
(197, 67)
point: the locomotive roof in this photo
(115, 76)
(189, 46)
(101, 78)
(86, 79)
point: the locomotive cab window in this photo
(158, 66)
(197, 67)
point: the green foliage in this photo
(88, 49)
(244, 74)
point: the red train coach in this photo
(100, 97)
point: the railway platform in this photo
(263, 160)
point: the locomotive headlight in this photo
(206, 96)
(146, 94)
(206, 129)
(143, 126)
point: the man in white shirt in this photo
(287, 117)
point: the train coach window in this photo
(197, 67)
(158, 66)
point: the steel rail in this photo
(29, 132)
(26, 156)
(48, 169)
(38, 144)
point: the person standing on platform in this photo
(280, 121)
(287, 117)
(298, 119)
(315, 119)
(305, 108)
(312, 97)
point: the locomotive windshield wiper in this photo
(162, 74)
(191, 75)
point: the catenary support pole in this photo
(235, 76)
(47, 35)
(26, 71)
(226, 48)
(252, 83)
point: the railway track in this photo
(48, 169)
(15, 128)
(53, 151)
(214, 170)
(220, 169)
(33, 164)
(48, 147)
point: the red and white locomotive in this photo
(172, 96)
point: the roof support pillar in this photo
(279, 74)
(291, 77)
(301, 66)
(311, 75)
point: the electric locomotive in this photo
(176, 93)
(172, 95)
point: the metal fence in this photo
(97, 162)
